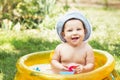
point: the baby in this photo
(73, 29)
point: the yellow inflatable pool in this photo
(104, 66)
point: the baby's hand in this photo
(64, 68)
(72, 64)
(79, 69)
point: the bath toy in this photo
(104, 68)
(66, 72)
(71, 68)
(37, 69)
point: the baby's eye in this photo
(78, 29)
(69, 30)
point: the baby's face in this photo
(74, 32)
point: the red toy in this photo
(71, 68)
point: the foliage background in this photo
(28, 26)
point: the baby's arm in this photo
(55, 62)
(86, 68)
(58, 66)
(89, 63)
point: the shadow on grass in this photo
(33, 45)
(7, 64)
(98, 45)
(8, 59)
(106, 46)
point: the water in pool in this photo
(44, 68)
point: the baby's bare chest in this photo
(73, 56)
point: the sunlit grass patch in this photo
(1, 76)
(8, 47)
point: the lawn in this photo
(105, 36)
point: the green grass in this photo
(105, 36)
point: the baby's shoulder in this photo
(60, 46)
(88, 47)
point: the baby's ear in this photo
(63, 34)
(85, 30)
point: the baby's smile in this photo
(75, 38)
